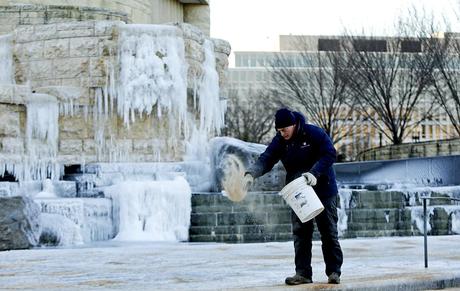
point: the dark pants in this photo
(326, 222)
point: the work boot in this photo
(333, 278)
(297, 280)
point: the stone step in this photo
(378, 233)
(366, 226)
(378, 215)
(240, 229)
(242, 238)
(252, 198)
(377, 199)
(240, 218)
(239, 208)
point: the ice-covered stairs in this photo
(260, 217)
(394, 213)
(264, 216)
(377, 213)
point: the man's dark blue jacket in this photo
(309, 150)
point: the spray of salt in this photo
(234, 184)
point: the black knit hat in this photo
(284, 118)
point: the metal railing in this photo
(425, 236)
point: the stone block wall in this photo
(73, 54)
(260, 217)
(31, 12)
(12, 16)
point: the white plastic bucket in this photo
(302, 199)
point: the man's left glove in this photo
(310, 178)
(248, 180)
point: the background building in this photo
(253, 70)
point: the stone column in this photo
(199, 16)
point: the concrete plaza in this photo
(390, 263)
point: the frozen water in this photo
(8, 189)
(59, 230)
(48, 190)
(211, 108)
(42, 138)
(417, 217)
(196, 172)
(345, 197)
(414, 192)
(456, 222)
(6, 59)
(153, 72)
(151, 210)
(38, 161)
(77, 220)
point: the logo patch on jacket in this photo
(304, 145)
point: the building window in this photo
(411, 46)
(370, 45)
(328, 44)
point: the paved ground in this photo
(370, 264)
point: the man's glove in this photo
(248, 180)
(310, 178)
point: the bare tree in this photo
(447, 78)
(390, 79)
(315, 81)
(250, 115)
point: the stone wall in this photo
(71, 62)
(14, 16)
(14, 13)
(412, 150)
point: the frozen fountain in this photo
(129, 136)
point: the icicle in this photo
(42, 138)
(345, 197)
(211, 113)
(6, 59)
(153, 71)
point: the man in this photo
(306, 150)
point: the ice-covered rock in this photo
(19, 223)
(248, 153)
